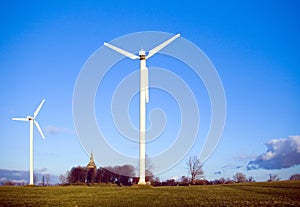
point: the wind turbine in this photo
(144, 95)
(31, 121)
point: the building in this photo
(91, 164)
(91, 170)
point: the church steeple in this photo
(91, 163)
(91, 170)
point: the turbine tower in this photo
(144, 95)
(31, 121)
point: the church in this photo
(91, 170)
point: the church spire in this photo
(91, 163)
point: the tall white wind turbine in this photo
(31, 121)
(144, 95)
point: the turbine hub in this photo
(142, 52)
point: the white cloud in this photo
(176, 177)
(281, 153)
(244, 157)
(19, 181)
(17, 174)
(3, 179)
(43, 170)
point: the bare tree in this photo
(195, 168)
(251, 179)
(222, 180)
(273, 178)
(35, 179)
(295, 177)
(43, 180)
(63, 178)
(149, 165)
(47, 177)
(149, 176)
(239, 177)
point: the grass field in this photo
(284, 193)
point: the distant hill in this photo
(22, 177)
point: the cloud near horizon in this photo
(281, 153)
(43, 170)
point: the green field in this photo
(285, 193)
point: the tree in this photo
(35, 179)
(8, 183)
(202, 182)
(184, 180)
(103, 175)
(77, 175)
(47, 177)
(195, 168)
(124, 174)
(156, 181)
(273, 178)
(170, 182)
(125, 170)
(91, 170)
(295, 177)
(63, 179)
(149, 176)
(43, 180)
(239, 177)
(251, 179)
(222, 180)
(90, 178)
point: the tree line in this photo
(126, 175)
(120, 175)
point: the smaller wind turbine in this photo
(31, 121)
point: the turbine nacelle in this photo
(30, 118)
(142, 54)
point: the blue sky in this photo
(253, 45)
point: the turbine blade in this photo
(20, 119)
(38, 109)
(161, 46)
(39, 128)
(123, 52)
